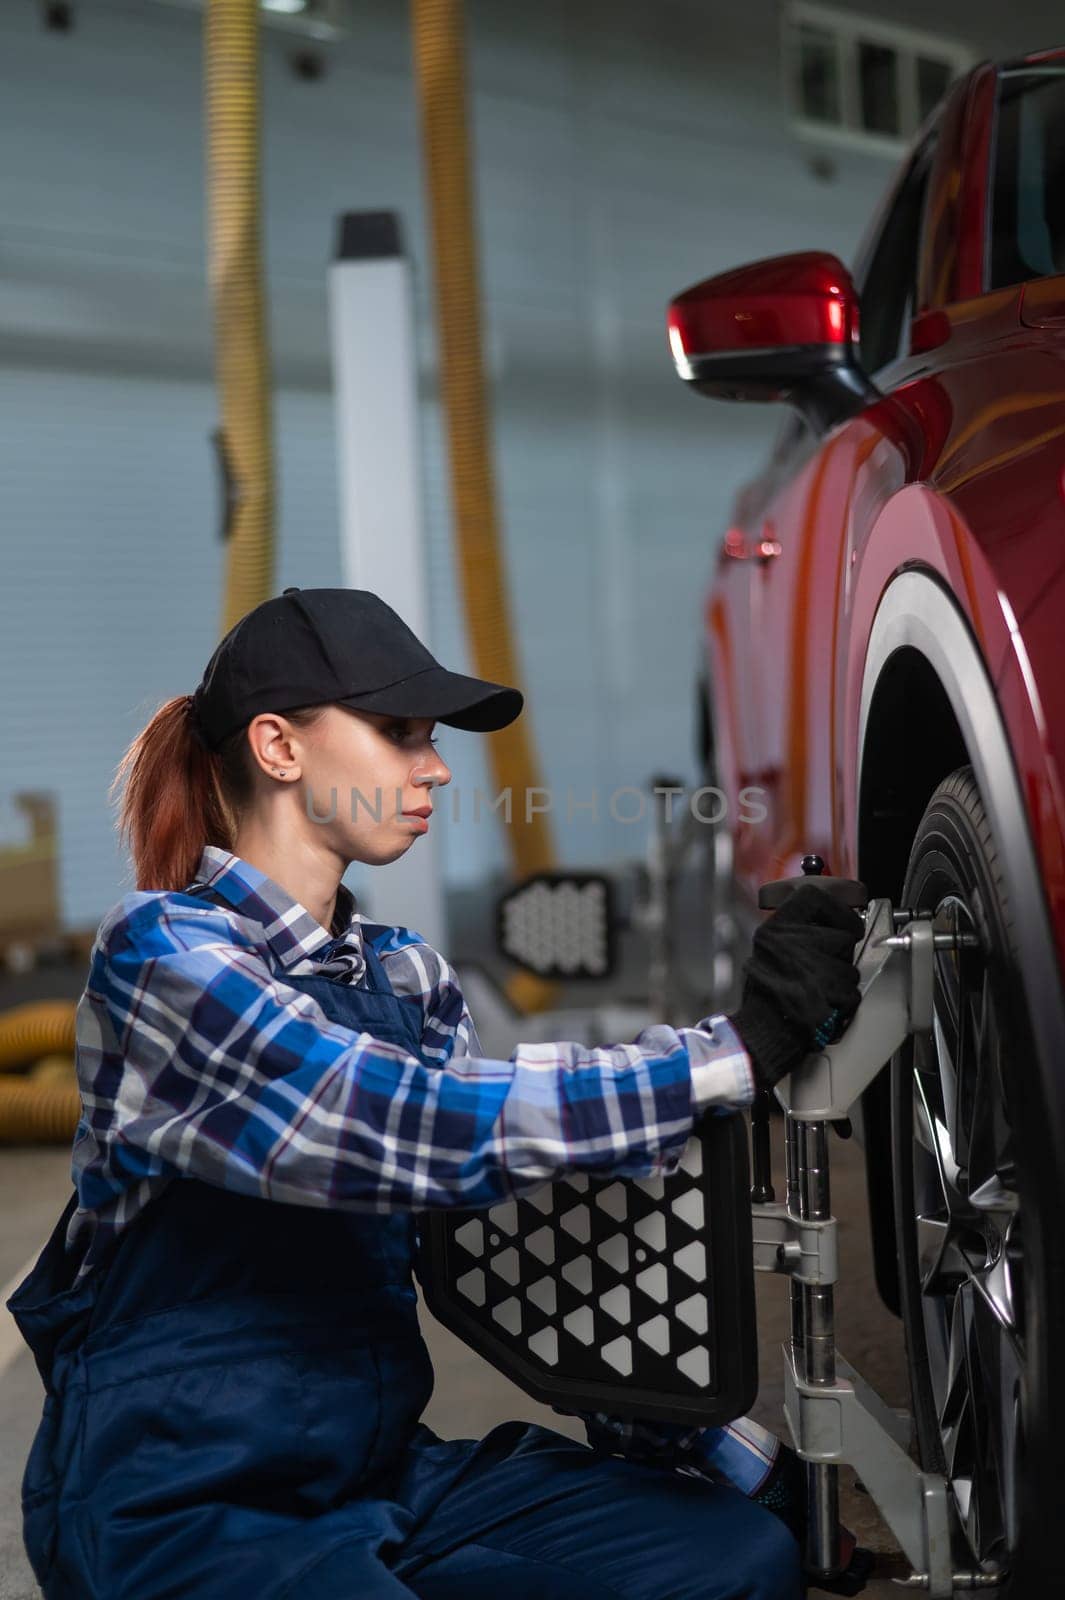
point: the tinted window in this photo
(889, 287)
(1027, 202)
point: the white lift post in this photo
(381, 525)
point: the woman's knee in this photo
(775, 1571)
(742, 1551)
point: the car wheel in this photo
(976, 1261)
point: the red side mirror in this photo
(781, 329)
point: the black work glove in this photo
(800, 983)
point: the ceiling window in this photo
(861, 81)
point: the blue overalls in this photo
(232, 1413)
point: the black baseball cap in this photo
(310, 647)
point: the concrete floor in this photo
(470, 1396)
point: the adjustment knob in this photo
(847, 890)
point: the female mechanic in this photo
(272, 1086)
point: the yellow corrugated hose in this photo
(236, 279)
(440, 72)
(38, 1113)
(38, 1028)
(44, 1107)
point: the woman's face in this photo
(361, 771)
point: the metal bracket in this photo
(807, 1251)
(848, 1422)
(834, 1416)
(896, 973)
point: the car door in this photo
(730, 629)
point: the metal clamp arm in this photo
(784, 1243)
(896, 984)
(847, 1421)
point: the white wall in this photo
(624, 150)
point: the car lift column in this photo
(382, 545)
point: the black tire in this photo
(967, 1145)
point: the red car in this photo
(885, 661)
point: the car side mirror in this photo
(781, 329)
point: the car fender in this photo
(918, 612)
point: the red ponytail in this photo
(173, 803)
(179, 795)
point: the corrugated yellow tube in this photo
(440, 72)
(42, 1110)
(38, 1113)
(236, 280)
(38, 1028)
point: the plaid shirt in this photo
(195, 1057)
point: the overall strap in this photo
(371, 1005)
(376, 977)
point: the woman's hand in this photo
(800, 984)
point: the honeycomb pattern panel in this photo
(559, 924)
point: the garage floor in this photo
(470, 1397)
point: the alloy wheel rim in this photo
(970, 1242)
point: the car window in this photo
(888, 289)
(1027, 229)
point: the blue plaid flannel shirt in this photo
(195, 1057)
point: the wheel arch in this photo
(928, 706)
